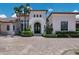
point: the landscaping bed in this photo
(62, 34)
(25, 33)
(67, 34)
(50, 35)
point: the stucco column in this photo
(11, 29)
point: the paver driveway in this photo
(36, 45)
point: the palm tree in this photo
(18, 12)
(26, 10)
(23, 9)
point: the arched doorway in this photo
(37, 28)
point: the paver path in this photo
(36, 45)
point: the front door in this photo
(37, 28)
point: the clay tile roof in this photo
(5, 20)
(39, 10)
(63, 13)
(22, 15)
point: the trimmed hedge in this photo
(67, 34)
(62, 35)
(18, 33)
(50, 35)
(74, 35)
(26, 33)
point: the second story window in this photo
(37, 15)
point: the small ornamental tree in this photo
(48, 28)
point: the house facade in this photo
(60, 21)
(64, 21)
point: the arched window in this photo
(8, 27)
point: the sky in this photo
(8, 8)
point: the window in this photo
(64, 26)
(37, 15)
(21, 26)
(21, 20)
(40, 15)
(77, 25)
(13, 27)
(8, 27)
(34, 16)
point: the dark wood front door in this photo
(37, 28)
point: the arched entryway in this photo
(37, 28)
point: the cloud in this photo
(3, 16)
(75, 11)
(50, 9)
(77, 16)
(14, 15)
(31, 8)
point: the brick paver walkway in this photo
(36, 45)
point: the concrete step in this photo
(37, 34)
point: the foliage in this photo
(18, 33)
(26, 33)
(67, 34)
(77, 29)
(49, 35)
(52, 35)
(48, 29)
(23, 8)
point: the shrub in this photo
(49, 35)
(62, 35)
(74, 35)
(67, 34)
(18, 33)
(28, 29)
(77, 29)
(26, 33)
(48, 29)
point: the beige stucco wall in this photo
(56, 19)
(4, 28)
(41, 20)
